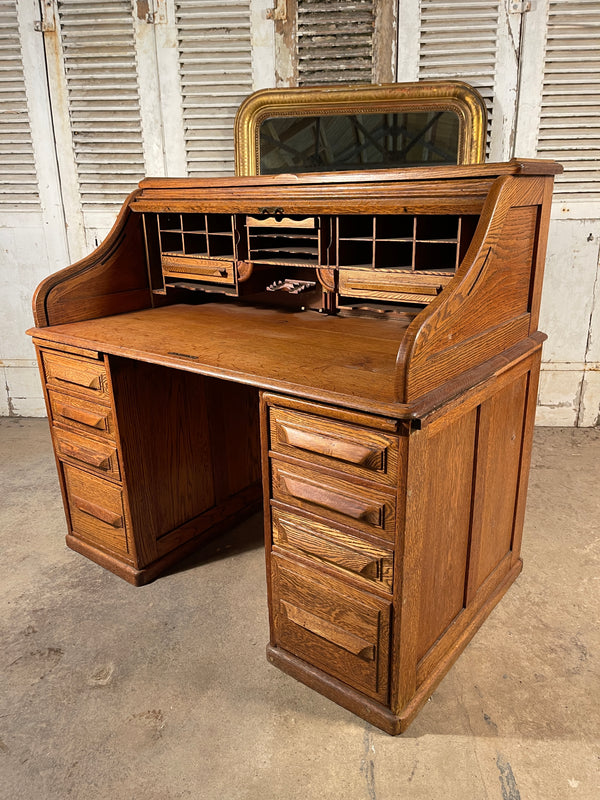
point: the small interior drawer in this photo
(83, 375)
(98, 456)
(326, 545)
(211, 270)
(350, 448)
(361, 507)
(353, 282)
(96, 509)
(81, 415)
(339, 629)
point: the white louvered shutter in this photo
(459, 39)
(474, 41)
(569, 129)
(97, 44)
(215, 65)
(18, 180)
(335, 41)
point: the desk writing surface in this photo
(302, 352)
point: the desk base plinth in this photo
(236, 510)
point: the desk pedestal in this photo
(388, 546)
(152, 461)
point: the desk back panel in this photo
(191, 444)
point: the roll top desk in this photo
(361, 351)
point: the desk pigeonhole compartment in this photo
(197, 247)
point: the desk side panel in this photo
(466, 485)
(492, 302)
(113, 279)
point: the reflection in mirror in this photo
(348, 141)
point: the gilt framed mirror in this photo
(386, 126)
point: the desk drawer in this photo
(211, 270)
(341, 630)
(96, 509)
(82, 375)
(100, 457)
(350, 448)
(361, 507)
(324, 544)
(81, 415)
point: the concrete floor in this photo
(115, 693)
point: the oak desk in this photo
(359, 349)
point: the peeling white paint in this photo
(262, 35)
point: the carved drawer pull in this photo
(93, 420)
(350, 505)
(87, 456)
(80, 379)
(326, 445)
(330, 632)
(102, 514)
(360, 563)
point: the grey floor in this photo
(164, 692)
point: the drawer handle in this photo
(353, 452)
(103, 514)
(330, 632)
(82, 454)
(350, 505)
(89, 418)
(81, 380)
(360, 563)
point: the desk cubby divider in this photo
(374, 243)
(419, 243)
(197, 234)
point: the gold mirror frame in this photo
(454, 96)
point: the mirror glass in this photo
(354, 141)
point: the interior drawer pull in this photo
(208, 268)
(332, 446)
(353, 560)
(82, 454)
(103, 514)
(358, 508)
(93, 420)
(332, 633)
